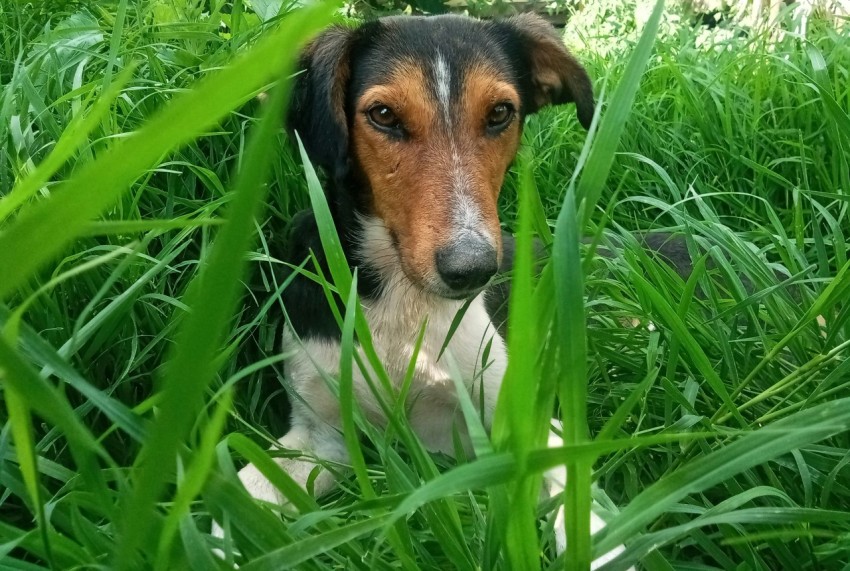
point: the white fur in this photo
(555, 482)
(442, 74)
(467, 214)
(395, 317)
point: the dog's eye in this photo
(383, 116)
(500, 116)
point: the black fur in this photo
(305, 301)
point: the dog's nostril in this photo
(467, 264)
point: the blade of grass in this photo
(689, 343)
(790, 433)
(346, 395)
(52, 405)
(212, 295)
(110, 227)
(72, 137)
(21, 423)
(294, 493)
(45, 228)
(262, 530)
(501, 467)
(607, 139)
(514, 429)
(115, 41)
(193, 482)
(570, 339)
(569, 291)
(308, 548)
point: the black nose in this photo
(468, 263)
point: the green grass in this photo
(134, 383)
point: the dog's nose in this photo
(468, 263)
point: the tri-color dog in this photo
(415, 122)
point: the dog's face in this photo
(420, 119)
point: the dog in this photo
(414, 121)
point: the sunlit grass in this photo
(718, 425)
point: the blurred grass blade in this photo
(47, 227)
(570, 338)
(74, 135)
(212, 296)
(517, 426)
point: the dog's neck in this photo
(396, 300)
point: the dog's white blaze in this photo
(443, 76)
(468, 218)
(467, 214)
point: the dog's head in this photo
(419, 119)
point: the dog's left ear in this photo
(556, 75)
(317, 106)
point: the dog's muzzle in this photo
(468, 263)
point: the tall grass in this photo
(130, 174)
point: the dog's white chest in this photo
(474, 349)
(475, 353)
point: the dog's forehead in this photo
(443, 48)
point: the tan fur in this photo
(413, 180)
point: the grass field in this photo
(140, 359)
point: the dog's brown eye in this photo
(383, 116)
(500, 116)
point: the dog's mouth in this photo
(456, 295)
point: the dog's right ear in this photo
(556, 75)
(317, 105)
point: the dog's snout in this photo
(467, 263)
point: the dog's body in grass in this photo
(415, 121)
